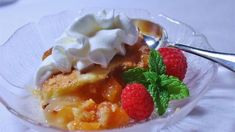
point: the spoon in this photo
(155, 36)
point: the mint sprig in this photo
(162, 88)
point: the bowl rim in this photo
(151, 15)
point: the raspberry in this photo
(137, 101)
(175, 61)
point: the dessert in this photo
(89, 79)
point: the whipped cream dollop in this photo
(91, 39)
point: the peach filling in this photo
(95, 106)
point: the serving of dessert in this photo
(100, 74)
(93, 70)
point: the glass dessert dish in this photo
(21, 56)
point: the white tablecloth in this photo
(215, 19)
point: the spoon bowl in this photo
(153, 34)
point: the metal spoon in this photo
(155, 36)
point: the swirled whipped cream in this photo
(91, 39)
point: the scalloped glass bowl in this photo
(21, 55)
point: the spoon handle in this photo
(225, 59)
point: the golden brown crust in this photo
(61, 84)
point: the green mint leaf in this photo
(160, 98)
(152, 89)
(135, 75)
(151, 77)
(156, 63)
(164, 99)
(176, 88)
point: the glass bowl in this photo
(21, 55)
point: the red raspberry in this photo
(137, 101)
(175, 61)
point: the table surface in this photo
(216, 19)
